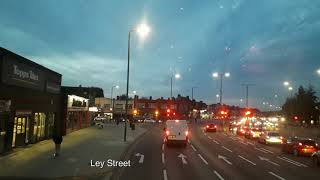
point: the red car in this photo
(242, 130)
(299, 146)
(211, 128)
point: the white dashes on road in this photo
(267, 150)
(247, 160)
(194, 149)
(203, 159)
(215, 141)
(218, 175)
(277, 176)
(226, 149)
(261, 150)
(292, 161)
(165, 175)
(162, 156)
(162, 147)
(209, 137)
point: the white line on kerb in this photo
(226, 149)
(215, 141)
(162, 158)
(247, 160)
(203, 159)
(261, 150)
(218, 175)
(193, 147)
(275, 175)
(165, 176)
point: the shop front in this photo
(29, 101)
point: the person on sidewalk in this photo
(57, 139)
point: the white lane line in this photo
(189, 141)
(261, 150)
(193, 147)
(267, 150)
(239, 138)
(215, 141)
(163, 158)
(162, 147)
(233, 138)
(243, 143)
(247, 160)
(251, 143)
(225, 134)
(277, 176)
(292, 161)
(226, 149)
(203, 159)
(218, 175)
(165, 175)
(209, 137)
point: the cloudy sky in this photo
(263, 42)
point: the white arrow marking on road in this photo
(182, 156)
(277, 176)
(218, 175)
(141, 157)
(268, 160)
(215, 141)
(224, 158)
(247, 160)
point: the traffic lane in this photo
(273, 162)
(219, 159)
(185, 163)
(151, 166)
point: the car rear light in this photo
(215, 126)
(167, 132)
(207, 126)
(300, 144)
(186, 133)
(316, 144)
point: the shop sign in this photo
(77, 102)
(20, 74)
(5, 105)
(23, 112)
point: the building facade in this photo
(29, 101)
(114, 108)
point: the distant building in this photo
(115, 108)
(87, 92)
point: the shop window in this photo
(39, 126)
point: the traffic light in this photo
(295, 117)
(157, 113)
(135, 112)
(248, 113)
(174, 113)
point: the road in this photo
(213, 156)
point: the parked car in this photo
(211, 128)
(270, 137)
(299, 146)
(252, 133)
(148, 120)
(316, 158)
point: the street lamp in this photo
(290, 89)
(221, 75)
(286, 83)
(112, 103)
(176, 76)
(318, 71)
(142, 30)
(192, 91)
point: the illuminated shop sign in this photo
(77, 102)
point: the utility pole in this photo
(192, 92)
(247, 93)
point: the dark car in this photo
(299, 146)
(211, 128)
(316, 158)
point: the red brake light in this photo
(167, 132)
(215, 126)
(300, 144)
(186, 133)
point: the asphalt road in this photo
(213, 156)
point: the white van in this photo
(176, 131)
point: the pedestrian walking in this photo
(57, 139)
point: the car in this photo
(176, 132)
(270, 137)
(299, 146)
(140, 120)
(241, 130)
(148, 120)
(253, 133)
(316, 158)
(211, 128)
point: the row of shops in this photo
(33, 105)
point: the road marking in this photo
(215, 141)
(225, 159)
(268, 160)
(239, 138)
(247, 160)
(226, 149)
(203, 159)
(225, 134)
(182, 156)
(193, 147)
(165, 175)
(233, 138)
(243, 143)
(218, 175)
(163, 158)
(261, 150)
(267, 150)
(189, 141)
(251, 143)
(162, 147)
(141, 157)
(209, 137)
(277, 176)
(292, 161)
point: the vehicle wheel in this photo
(295, 152)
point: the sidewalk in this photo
(77, 150)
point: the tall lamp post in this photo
(192, 91)
(176, 76)
(220, 75)
(142, 30)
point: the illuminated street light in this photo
(221, 75)
(318, 71)
(143, 30)
(217, 95)
(177, 76)
(290, 88)
(111, 98)
(286, 83)
(215, 75)
(227, 74)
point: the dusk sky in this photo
(263, 42)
